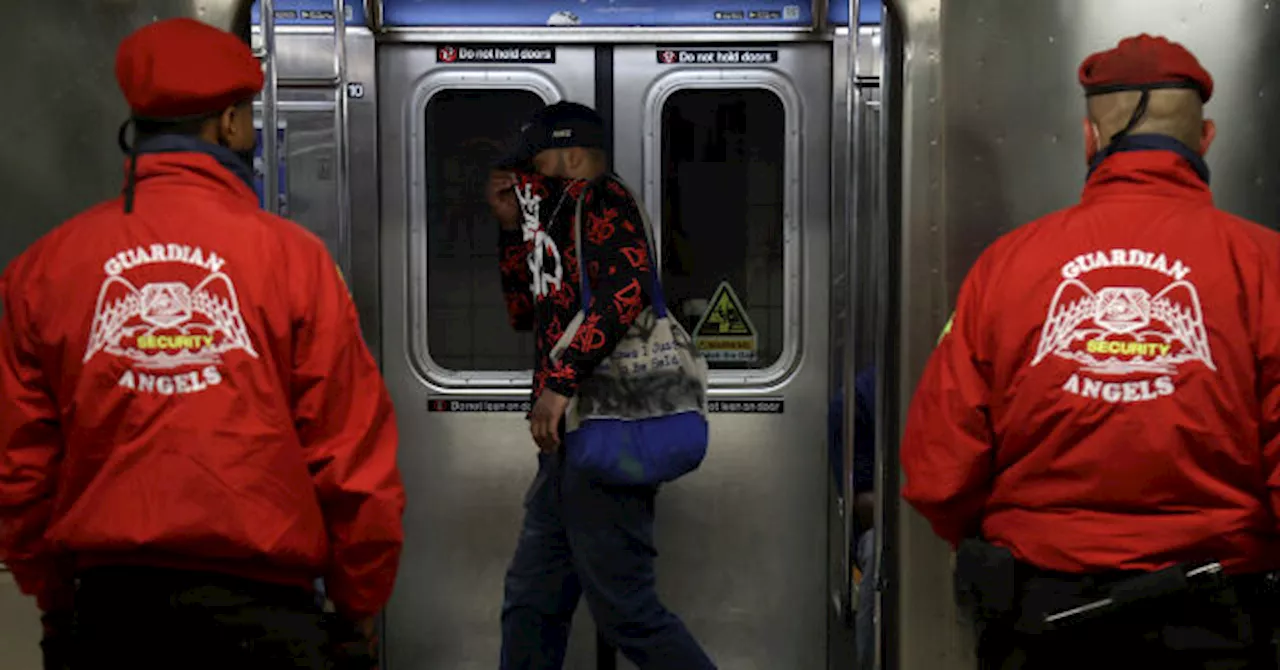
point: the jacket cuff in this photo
(354, 615)
(57, 623)
(567, 387)
(51, 582)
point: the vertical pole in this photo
(341, 135)
(270, 111)
(853, 145)
(886, 472)
(820, 11)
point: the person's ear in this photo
(1208, 131)
(227, 126)
(235, 127)
(1092, 141)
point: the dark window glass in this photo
(466, 132)
(722, 213)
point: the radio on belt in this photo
(1144, 587)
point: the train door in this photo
(731, 147)
(458, 373)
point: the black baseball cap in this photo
(558, 126)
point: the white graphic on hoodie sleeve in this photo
(1136, 340)
(174, 328)
(545, 266)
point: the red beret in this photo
(182, 68)
(1144, 62)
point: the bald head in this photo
(1177, 113)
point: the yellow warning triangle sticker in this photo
(725, 316)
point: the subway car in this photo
(818, 187)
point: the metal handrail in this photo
(341, 133)
(853, 100)
(271, 118)
(820, 10)
(270, 109)
(888, 93)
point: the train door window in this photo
(466, 132)
(308, 166)
(312, 174)
(723, 213)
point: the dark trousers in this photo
(583, 538)
(144, 619)
(1226, 628)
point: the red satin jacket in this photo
(186, 386)
(1107, 394)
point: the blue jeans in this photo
(864, 621)
(583, 538)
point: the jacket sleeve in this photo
(1266, 326)
(615, 254)
(347, 427)
(947, 451)
(30, 451)
(513, 255)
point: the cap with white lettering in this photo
(558, 126)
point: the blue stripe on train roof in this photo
(611, 13)
(870, 13)
(311, 12)
(464, 13)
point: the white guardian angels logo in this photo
(174, 327)
(1134, 339)
(543, 246)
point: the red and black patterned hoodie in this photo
(540, 272)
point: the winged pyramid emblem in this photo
(166, 325)
(1121, 330)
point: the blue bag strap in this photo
(656, 296)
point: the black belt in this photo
(990, 584)
(134, 579)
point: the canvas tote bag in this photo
(640, 419)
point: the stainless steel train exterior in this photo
(942, 127)
(743, 541)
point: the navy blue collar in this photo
(162, 144)
(1152, 142)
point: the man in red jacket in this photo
(191, 428)
(1105, 402)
